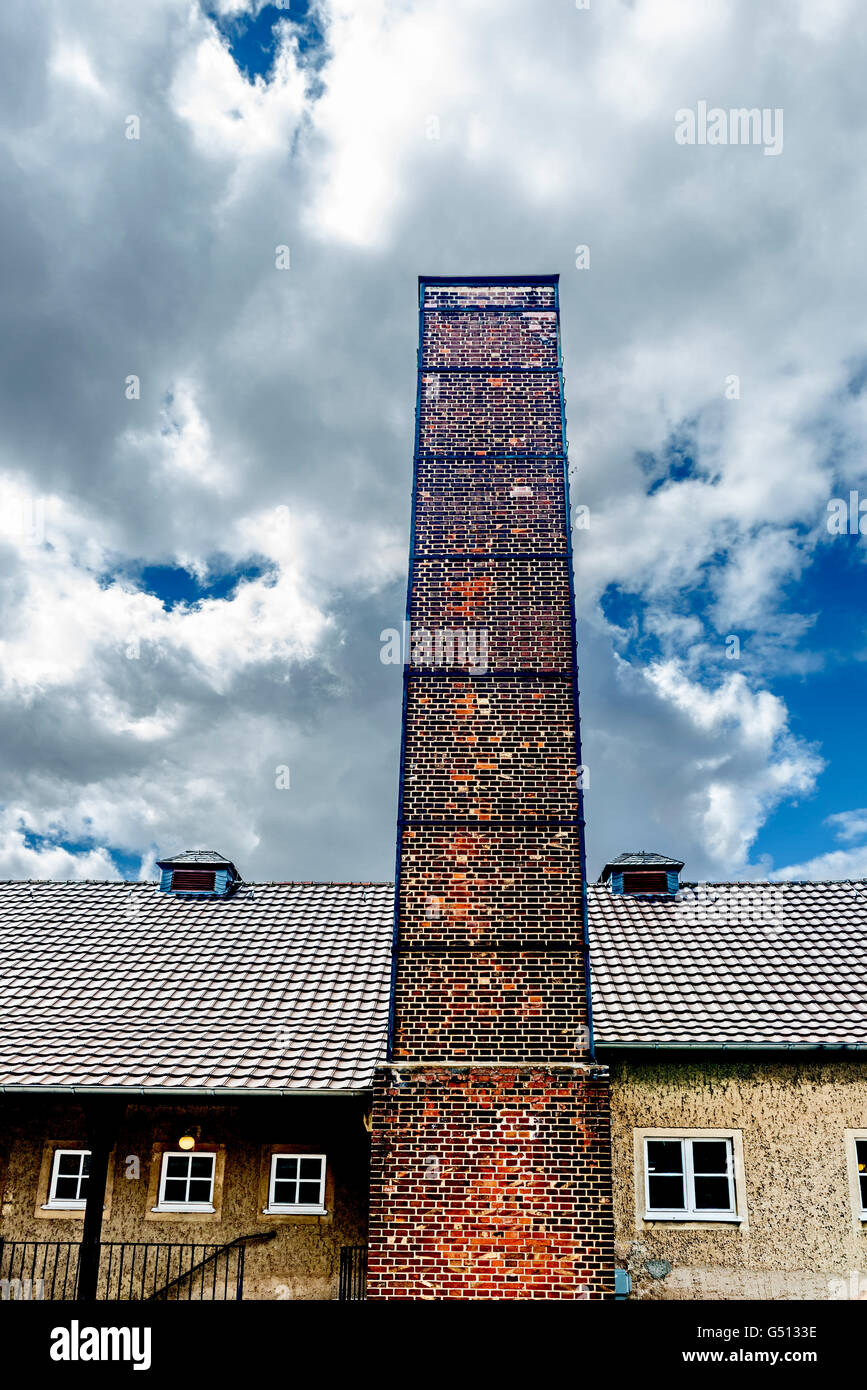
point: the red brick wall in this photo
(491, 1183)
(520, 508)
(490, 1146)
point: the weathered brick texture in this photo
(500, 1004)
(491, 1183)
(490, 1173)
(476, 886)
(462, 410)
(475, 594)
(487, 297)
(490, 340)
(488, 504)
(493, 748)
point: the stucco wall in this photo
(302, 1262)
(802, 1238)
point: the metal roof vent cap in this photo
(198, 873)
(642, 871)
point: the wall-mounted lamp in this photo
(186, 1141)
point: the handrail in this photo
(257, 1238)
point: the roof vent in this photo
(198, 873)
(642, 871)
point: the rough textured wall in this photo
(802, 1235)
(490, 1171)
(302, 1262)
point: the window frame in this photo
(862, 1189)
(854, 1137)
(736, 1216)
(55, 1203)
(296, 1208)
(174, 1206)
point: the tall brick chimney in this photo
(490, 1165)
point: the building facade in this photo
(270, 1203)
(186, 1074)
(793, 1127)
(733, 1017)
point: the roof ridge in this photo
(746, 882)
(244, 883)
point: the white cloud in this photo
(38, 861)
(835, 864)
(848, 863)
(231, 117)
(849, 825)
(747, 762)
(67, 615)
(71, 63)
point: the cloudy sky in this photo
(205, 452)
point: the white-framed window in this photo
(187, 1182)
(297, 1183)
(689, 1179)
(859, 1167)
(70, 1177)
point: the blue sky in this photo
(825, 701)
(193, 582)
(252, 39)
(173, 585)
(827, 704)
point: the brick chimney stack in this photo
(490, 1165)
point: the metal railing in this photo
(38, 1269)
(135, 1270)
(353, 1274)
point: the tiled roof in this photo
(283, 985)
(196, 856)
(643, 859)
(774, 964)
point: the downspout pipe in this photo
(102, 1121)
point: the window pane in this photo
(862, 1178)
(177, 1166)
(175, 1190)
(285, 1167)
(308, 1194)
(861, 1154)
(201, 1166)
(83, 1184)
(69, 1163)
(710, 1156)
(200, 1190)
(311, 1168)
(664, 1156)
(66, 1188)
(712, 1194)
(85, 1166)
(666, 1194)
(284, 1193)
